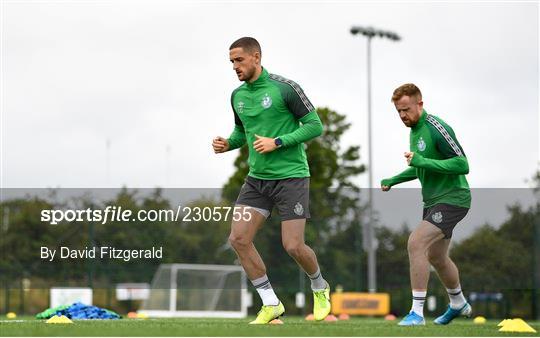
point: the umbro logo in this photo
(240, 107)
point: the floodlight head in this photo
(370, 32)
(358, 30)
(393, 36)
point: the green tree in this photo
(501, 260)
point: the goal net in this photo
(197, 290)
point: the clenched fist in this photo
(220, 145)
(264, 144)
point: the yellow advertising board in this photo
(359, 303)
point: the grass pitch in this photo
(293, 326)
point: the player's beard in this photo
(248, 74)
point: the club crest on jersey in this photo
(298, 209)
(421, 144)
(437, 217)
(240, 107)
(266, 101)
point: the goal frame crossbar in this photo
(174, 312)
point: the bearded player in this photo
(437, 159)
(274, 118)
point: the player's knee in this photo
(239, 242)
(414, 246)
(294, 249)
(437, 261)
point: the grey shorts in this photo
(289, 195)
(445, 217)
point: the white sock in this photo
(418, 300)
(265, 291)
(317, 281)
(457, 299)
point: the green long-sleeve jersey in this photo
(273, 106)
(439, 162)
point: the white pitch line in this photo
(13, 321)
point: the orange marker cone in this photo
(330, 318)
(344, 316)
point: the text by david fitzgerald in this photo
(103, 252)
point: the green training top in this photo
(273, 106)
(439, 163)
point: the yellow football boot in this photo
(269, 313)
(321, 303)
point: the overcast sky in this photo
(153, 78)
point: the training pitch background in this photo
(293, 326)
(111, 93)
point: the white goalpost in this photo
(197, 290)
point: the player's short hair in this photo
(247, 43)
(408, 89)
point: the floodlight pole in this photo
(536, 268)
(369, 240)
